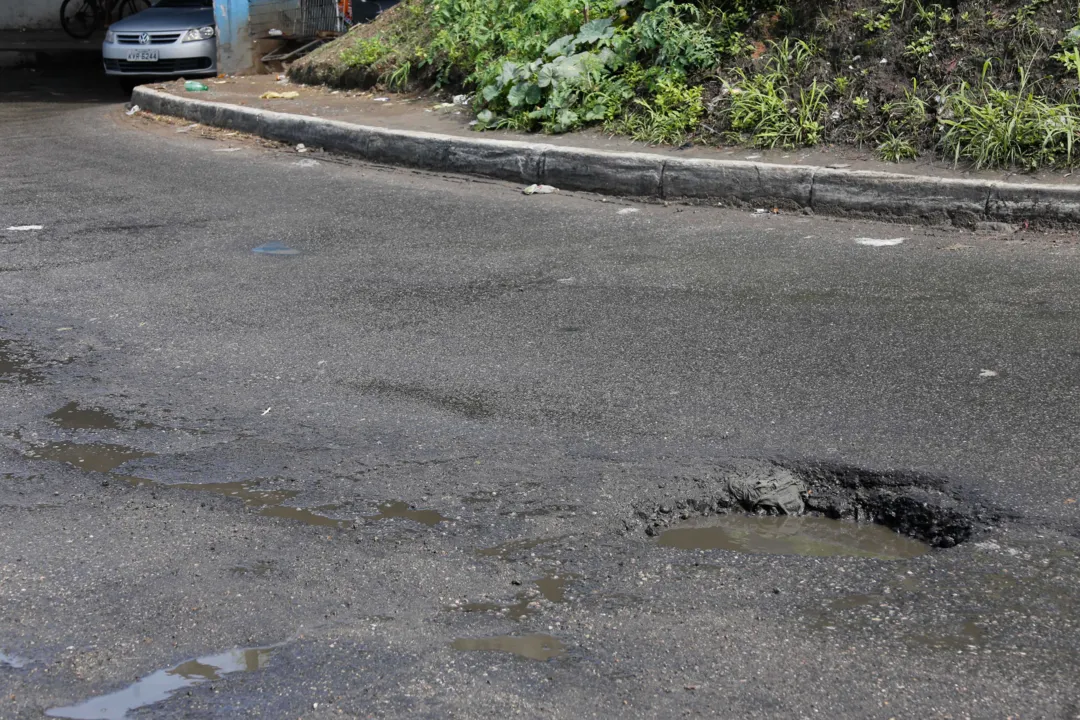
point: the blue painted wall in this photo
(235, 49)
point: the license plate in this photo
(142, 55)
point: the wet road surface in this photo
(460, 453)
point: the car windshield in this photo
(184, 3)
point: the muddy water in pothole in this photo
(75, 417)
(515, 548)
(803, 535)
(533, 647)
(16, 366)
(268, 502)
(551, 588)
(98, 457)
(12, 661)
(163, 684)
(402, 510)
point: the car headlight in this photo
(110, 36)
(203, 33)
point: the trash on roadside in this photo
(226, 149)
(442, 106)
(988, 374)
(879, 242)
(134, 109)
(187, 128)
(301, 147)
(781, 491)
(271, 95)
(627, 211)
(535, 189)
(461, 100)
(275, 248)
(220, 82)
(381, 99)
(24, 228)
(274, 32)
(195, 86)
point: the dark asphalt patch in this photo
(17, 365)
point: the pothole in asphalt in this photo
(16, 365)
(550, 589)
(404, 510)
(517, 548)
(913, 504)
(789, 535)
(543, 511)
(74, 416)
(268, 502)
(533, 647)
(97, 457)
(259, 568)
(12, 661)
(163, 684)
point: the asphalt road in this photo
(536, 370)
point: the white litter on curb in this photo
(627, 211)
(539, 190)
(23, 228)
(987, 373)
(879, 242)
(134, 109)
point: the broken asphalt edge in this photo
(640, 175)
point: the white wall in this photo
(33, 14)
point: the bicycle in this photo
(80, 18)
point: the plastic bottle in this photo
(195, 86)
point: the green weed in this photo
(994, 127)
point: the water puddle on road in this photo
(403, 510)
(516, 548)
(533, 647)
(551, 588)
(12, 661)
(75, 417)
(268, 502)
(163, 684)
(16, 366)
(97, 457)
(802, 535)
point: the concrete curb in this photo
(792, 187)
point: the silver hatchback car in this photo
(171, 39)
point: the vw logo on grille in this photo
(144, 39)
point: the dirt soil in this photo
(428, 112)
